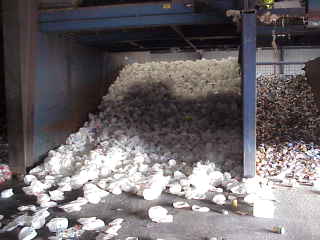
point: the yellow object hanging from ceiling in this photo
(268, 3)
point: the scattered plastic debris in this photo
(70, 233)
(263, 208)
(197, 208)
(56, 195)
(93, 194)
(5, 173)
(7, 193)
(58, 224)
(32, 208)
(159, 214)
(91, 224)
(181, 205)
(38, 219)
(316, 186)
(111, 229)
(224, 212)
(117, 221)
(27, 233)
(75, 205)
(219, 199)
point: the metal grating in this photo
(293, 69)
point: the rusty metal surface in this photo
(68, 84)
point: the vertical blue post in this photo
(248, 62)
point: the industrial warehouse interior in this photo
(160, 120)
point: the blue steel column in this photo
(248, 63)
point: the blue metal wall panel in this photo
(68, 87)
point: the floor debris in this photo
(91, 224)
(57, 224)
(264, 208)
(7, 193)
(27, 233)
(181, 205)
(159, 214)
(135, 145)
(197, 208)
(279, 230)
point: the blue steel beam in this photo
(115, 11)
(120, 36)
(248, 66)
(125, 16)
(131, 22)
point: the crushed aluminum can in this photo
(278, 229)
(234, 203)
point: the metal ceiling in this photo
(160, 25)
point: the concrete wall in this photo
(68, 86)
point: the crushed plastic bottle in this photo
(159, 214)
(93, 194)
(197, 208)
(263, 208)
(7, 193)
(219, 199)
(181, 205)
(91, 224)
(32, 208)
(57, 224)
(56, 195)
(27, 233)
(74, 206)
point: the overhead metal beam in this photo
(248, 66)
(180, 33)
(114, 11)
(125, 16)
(130, 22)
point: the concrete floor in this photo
(298, 211)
